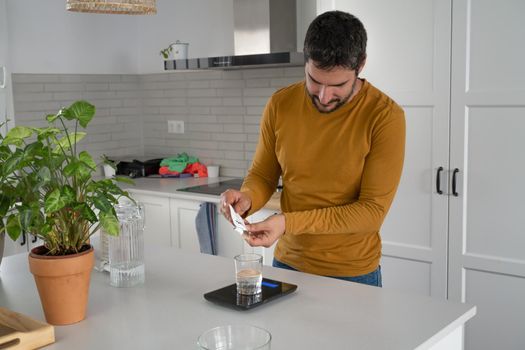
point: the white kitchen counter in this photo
(169, 311)
(167, 187)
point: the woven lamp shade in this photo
(122, 7)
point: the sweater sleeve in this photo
(381, 174)
(263, 175)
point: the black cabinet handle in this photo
(438, 180)
(34, 239)
(454, 173)
(23, 238)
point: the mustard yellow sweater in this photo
(340, 173)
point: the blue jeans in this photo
(373, 278)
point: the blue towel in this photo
(206, 225)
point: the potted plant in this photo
(47, 188)
(178, 49)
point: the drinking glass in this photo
(248, 273)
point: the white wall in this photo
(45, 38)
(207, 25)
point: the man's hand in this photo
(266, 232)
(241, 202)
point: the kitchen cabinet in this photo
(157, 210)
(486, 240)
(179, 215)
(458, 74)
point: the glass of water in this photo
(235, 337)
(248, 273)
(126, 251)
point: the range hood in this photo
(265, 34)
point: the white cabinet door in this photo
(267, 253)
(183, 231)
(157, 214)
(229, 242)
(409, 59)
(487, 240)
(10, 247)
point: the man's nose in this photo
(325, 94)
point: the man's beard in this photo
(339, 101)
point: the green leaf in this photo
(51, 117)
(12, 163)
(54, 202)
(83, 111)
(13, 227)
(86, 212)
(16, 135)
(5, 203)
(110, 224)
(85, 157)
(26, 216)
(68, 194)
(102, 203)
(44, 174)
(71, 139)
(72, 169)
(123, 179)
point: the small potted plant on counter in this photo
(47, 188)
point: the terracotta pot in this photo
(63, 284)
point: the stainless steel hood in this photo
(265, 34)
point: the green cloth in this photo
(179, 162)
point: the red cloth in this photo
(164, 170)
(196, 168)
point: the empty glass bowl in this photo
(235, 337)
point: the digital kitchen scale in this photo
(229, 297)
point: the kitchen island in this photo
(169, 311)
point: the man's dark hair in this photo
(335, 38)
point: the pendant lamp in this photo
(123, 7)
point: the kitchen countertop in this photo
(169, 311)
(167, 187)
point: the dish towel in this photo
(206, 225)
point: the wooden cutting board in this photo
(18, 331)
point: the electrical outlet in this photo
(176, 126)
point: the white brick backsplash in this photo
(204, 144)
(205, 127)
(232, 101)
(21, 88)
(23, 97)
(255, 110)
(202, 93)
(258, 92)
(282, 82)
(228, 110)
(229, 119)
(263, 73)
(257, 82)
(227, 83)
(35, 78)
(204, 101)
(229, 137)
(252, 119)
(66, 87)
(202, 118)
(255, 101)
(221, 109)
(229, 92)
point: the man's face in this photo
(329, 89)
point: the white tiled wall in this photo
(221, 110)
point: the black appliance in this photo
(215, 188)
(138, 168)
